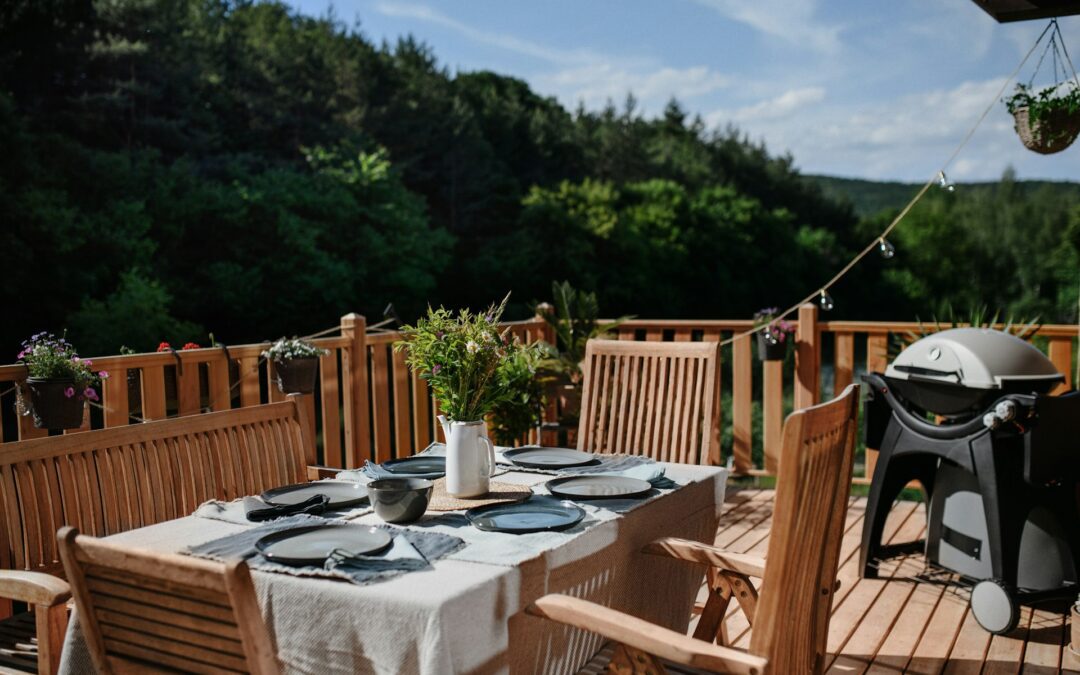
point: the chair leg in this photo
(745, 593)
(710, 625)
(51, 626)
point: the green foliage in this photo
(513, 416)
(575, 318)
(975, 317)
(1044, 103)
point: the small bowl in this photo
(400, 500)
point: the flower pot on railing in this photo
(770, 348)
(55, 403)
(297, 376)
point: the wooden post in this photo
(807, 357)
(742, 403)
(1061, 356)
(357, 419)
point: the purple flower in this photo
(21, 354)
(490, 318)
(69, 392)
(104, 374)
(436, 368)
(90, 394)
(439, 334)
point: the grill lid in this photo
(977, 358)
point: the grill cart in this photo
(966, 412)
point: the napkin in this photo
(651, 473)
(401, 556)
(257, 510)
(376, 472)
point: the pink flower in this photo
(69, 392)
(104, 374)
(90, 394)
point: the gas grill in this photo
(967, 413)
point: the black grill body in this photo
(1023, 473)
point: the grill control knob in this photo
(1006, 410)
(991, 421)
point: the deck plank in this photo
(897, 623)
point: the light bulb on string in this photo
(826, 301)
(886, 248)
(944, 183)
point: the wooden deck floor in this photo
(895, 624)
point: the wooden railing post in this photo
(807, 357)
(355, 363)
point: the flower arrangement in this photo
(774, 329)
(48, 357)
(287, 349)
(465, 358)
(166, 347)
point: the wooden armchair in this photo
(120, 478)
(790, 615)
(149, 612)
(655, 398)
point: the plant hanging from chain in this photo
(1048, 120)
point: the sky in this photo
(873, 89)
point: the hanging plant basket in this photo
(769, 350)
(297, 376)
(1053, 133)
(51, 407)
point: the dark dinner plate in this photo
(535, 514)
(420, 464)
(598, 486)
(548, 458)
(313, 544)
(341, 493)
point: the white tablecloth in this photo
(464, 615)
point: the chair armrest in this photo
(695, 551)
(645, 636)
(35, 588)
(316, 472)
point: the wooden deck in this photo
(895, 624)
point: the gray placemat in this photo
(429, 546)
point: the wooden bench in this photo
(120, 478)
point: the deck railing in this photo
(368, 406)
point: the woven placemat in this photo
(498, 493)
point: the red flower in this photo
(164, 347)
(191, 345)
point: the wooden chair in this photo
(150, 612)
(111, 480)
(651, 398)
(790, 617)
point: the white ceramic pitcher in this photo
(470, 458)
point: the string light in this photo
(885, 248)
(826, 301)
(944, 183)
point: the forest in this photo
(174, 168)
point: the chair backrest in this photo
(651, 398)
(120, 478)
(148, 612)
(792, 619)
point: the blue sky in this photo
(860, 88)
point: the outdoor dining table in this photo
(464, 613)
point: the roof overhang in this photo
(1025, 10)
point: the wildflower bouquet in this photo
(48, 357)
(463, 357)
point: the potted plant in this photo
(520, 410)
(59, 381)
(296, 364)
(1047, 121)
(465, 358)
(575, 319)
(774, 334)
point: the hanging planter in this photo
(59, 382)
(773, 335)
(1048, 121)
(296, 364)
(1054, 130)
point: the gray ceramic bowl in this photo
(400, 500)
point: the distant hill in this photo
(869, 197)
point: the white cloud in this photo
(792, 21)
(596, 83)
(779, 107)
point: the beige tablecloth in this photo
(465, 615)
